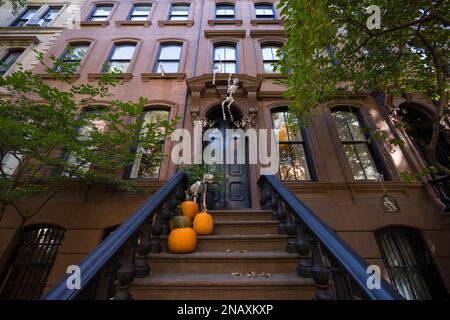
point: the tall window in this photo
(355, 144)
(142, 166)
(9, 59)
(409, 264)
(140, 12)
(26, 16)
(179, 12)
(51, 14)
(294, 164)
(29, 265)
(169, 58)
(75, 53)
(120, 58)
(225, 58)
(264, 11)
(225, 11)
(101, 12)
(270, 56)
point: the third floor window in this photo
(101, 12)
(270, 55)
(264, 11)
(169, 58)
(225, 11)
(75, 53)
(120, 58)
(225, 58)
(51, 14)
(140, 12)
(26, 16)
(179, 12)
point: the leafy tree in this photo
(47, 131)
(332, 51)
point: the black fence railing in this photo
(108, 271)
(338, 271)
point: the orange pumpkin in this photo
(189, 209)
(180, 222)
(182, 240)
(203, 223)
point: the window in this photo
(142, 166)
(225, 58)
(270, 56)
(75, 53)
(140, 12)
(9, 59)
(51, 14)
(26, 16)
(409, 264)
(169, 58)
(101, 12)
(120, 58)
(355, 144)
(224, 11)
(264, 11)
(10, 163)
(179, 12)
(291, 147)
(30, 263)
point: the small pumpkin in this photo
(180, 222)
(189, 208)
(203, 223)
(182, 240)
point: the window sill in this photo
(126, 23)
(102, 24)
(269, 75)
(48, 76)
(224, 33)
(123, 76)
(256, 22)
(168, 23)
(156, 76)
(267, 33)
(215, 22)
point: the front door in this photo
(232, 191)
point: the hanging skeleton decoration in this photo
(232, 88)
(388, 202)
(217, 68)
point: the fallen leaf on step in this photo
(238, 274)
(228, 250)
(244, 251)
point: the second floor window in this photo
(26, 16)
(120, 58)
(101, 12)
(264, 11)
(140, 12)
(225, 11)
(8, 60)
(355, 144)
(225, 58)
(75, 53)
(270, 56)
(169, 58)
(51, 14)
(179, 12)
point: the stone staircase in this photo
(243, 242)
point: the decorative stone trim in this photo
(224, 33)
(123, 76)
(126, 23)
(256, 22)
(102, 24)
(216, 22)
(269, 76)
(159, 76)
(48, 76)
(168, 23)
(267, 33)
(18, 40)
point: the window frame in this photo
(173, 5)
(73, 44)
(20, 17)
(139, 4)
(226, 44)
(111, 53)
(6, 55)
(100, 5)
(265, 17)
(48, 10)
(160, 49)
(271, 45)
(225, 17)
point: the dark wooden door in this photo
(234, 191)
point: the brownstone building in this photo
(167, 52)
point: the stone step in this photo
(241, 215)
(200, 286)
(224, 262)
(245, 227)
(250, 243)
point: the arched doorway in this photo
(233, 191)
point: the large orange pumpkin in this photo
(182, 240)
(203, 223)
(189, 209)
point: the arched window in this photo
(120, 57)
(9, 59)
(270, 54)
(169, 57)
(225, 57)
(179, 12)
(294, 157)
(140, 12)
(355, 143)
(101, 12)
(74, 53)
(144, 165)
(409, 264)
(264, 11)
(30, 263)
(225, 11)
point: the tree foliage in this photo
(332, 51)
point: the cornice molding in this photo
(267, 33)
(17, 40)
(224, 33)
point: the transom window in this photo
(225, 11)
(270, 56)
(9, 59)
(225, 58)
(294, 164)
(101, 12)
(120, 58)
(169, 58)
(355, 144)
(51, 14)
(145, 165)
(179, 12)
(26, 16)
(264, 11)
(140, 12)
